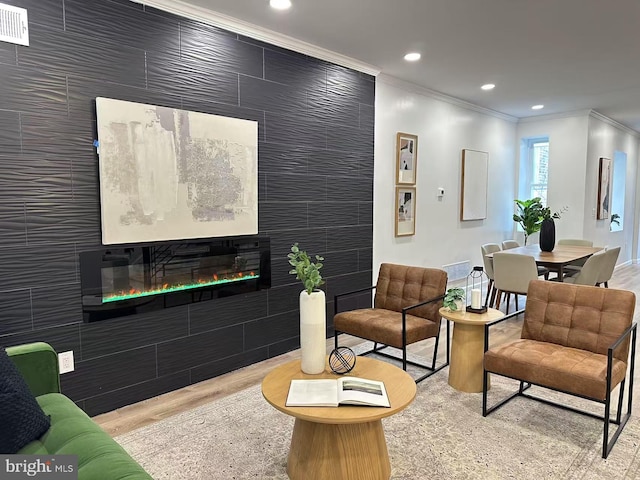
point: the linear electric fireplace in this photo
(137, 279)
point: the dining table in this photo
(557, 259)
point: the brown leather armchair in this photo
(575, 339)
(405, 311)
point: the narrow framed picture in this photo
(604, 188)
(406, 158)
(405, 211)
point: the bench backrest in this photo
(578, 316)
(400, 286)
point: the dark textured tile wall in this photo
(315, 168)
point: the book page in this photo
(360, 391)
(317, 393)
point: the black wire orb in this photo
(342, 360)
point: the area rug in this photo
(441, 435)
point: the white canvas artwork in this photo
(168, 174)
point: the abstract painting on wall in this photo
(168, 174)
(604, 188)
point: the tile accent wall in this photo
(316, 131)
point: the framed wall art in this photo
(168, 174)
(475, 170)
(405, 211)
(406, 158)
(604, 188)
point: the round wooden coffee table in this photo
(467, 347)
(344, 442)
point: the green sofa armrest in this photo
(38, 364)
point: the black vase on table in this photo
(547, 235)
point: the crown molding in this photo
(554, 116)
(613, 123)
(427, 92)
(226, 22)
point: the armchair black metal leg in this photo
(605, 435)
(489, 287)
(620, 401)
(485, 375)
(448, 341)
(435, 353)
(404, 358)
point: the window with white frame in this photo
(534, 168)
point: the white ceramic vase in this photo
(313, 331)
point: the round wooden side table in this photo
(467, 347)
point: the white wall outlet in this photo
(65, 362)
(441, 192)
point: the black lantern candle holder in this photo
(475, 281)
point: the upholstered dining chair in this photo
(609, 265)
(405, 311)
(590, 272)
(512, 273)
(575, 241)
(577, 265)
(509, 244)
(487, 249)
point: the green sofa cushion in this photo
(21, 418)
(72, 432)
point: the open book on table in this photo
(342, 391)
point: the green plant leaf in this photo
(305, 270)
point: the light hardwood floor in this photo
(149, 411)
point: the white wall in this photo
(605, 137)
(444, 128)
(567, 167)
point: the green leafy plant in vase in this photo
(529, 216)
(304, 269)
(313, 314)
(454, 299)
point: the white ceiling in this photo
(566, 54)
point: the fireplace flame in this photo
(215, 279)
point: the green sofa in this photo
(72, 432)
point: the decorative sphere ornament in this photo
(342, 360)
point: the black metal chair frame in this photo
(607, 444)
(378, 350)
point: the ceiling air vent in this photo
(14, 27)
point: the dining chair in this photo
(607, 270)
(487, 249)
(575, 241)
(590, 272)
(573, 267)
(512, 273)
(507, 244)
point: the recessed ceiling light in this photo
(280, 4)
(488, 86)
(537, 107)
(412, 57)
